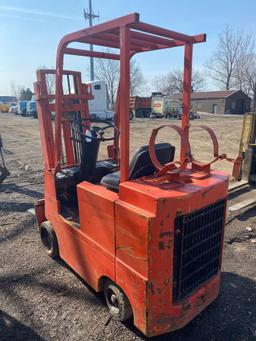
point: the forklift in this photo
(244, 170)
(147, 232)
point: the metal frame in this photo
(130, 36)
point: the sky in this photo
(31, 29)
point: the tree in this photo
(25, 94)
(223, 64)
(108, 70)
(160, 83)
(173, 82)
(136, 78)
(246, 76)
(14, 89)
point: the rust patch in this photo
(165, 234)
(158, 291)
(167, 281)
(151, 287)
(169, 244)
(179, 212)
(201, 299)
(165, 244)
(161, 245)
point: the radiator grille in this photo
(197, 248)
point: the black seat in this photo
(89, 170)
(68, 178)
(141, 164)
(103, 168)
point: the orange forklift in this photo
(148, 232)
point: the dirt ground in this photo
(42, 299)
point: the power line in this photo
(90, 16)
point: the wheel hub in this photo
(114, 299)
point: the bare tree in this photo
(223, 64)
(160, 83)
(136, 78)
(108, 70)
(173, 82)
(19, 91)
(50, 83)
(14, 89)
(246, 76)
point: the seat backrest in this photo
(89, 155)
(141, 164)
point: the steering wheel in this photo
(83, 128)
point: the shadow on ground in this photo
(11, 329)
(11, 187)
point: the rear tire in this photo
(49, 239)
(117, 302)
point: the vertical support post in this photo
(46, 131)
(58, 103)
(124, 102)
(117, 124)
(186, 92)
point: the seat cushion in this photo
(103, 168)
(111, 181)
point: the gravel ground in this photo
(42, 299)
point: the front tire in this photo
(49, 239)
(117, 302)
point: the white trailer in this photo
(98, 106)
(164, 106)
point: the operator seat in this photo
(89, 170)
(141, 165)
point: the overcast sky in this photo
(30, 31)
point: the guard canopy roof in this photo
(143, 37)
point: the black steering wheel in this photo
(94, 133)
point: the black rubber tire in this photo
(49, 239)
(131, 115)
(117, 302)
(140, 113)
(146, 113)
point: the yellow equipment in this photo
(4, 107)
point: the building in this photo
(219, 102)
(8, 99)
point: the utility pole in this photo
(90, 16)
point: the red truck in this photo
(140, 106)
